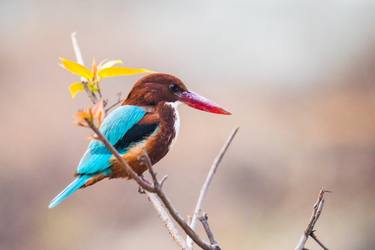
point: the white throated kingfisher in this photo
(146, 121)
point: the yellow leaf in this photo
(76, 68)
(94, 69)
(121, 71)
(75, 88)
(109, 64)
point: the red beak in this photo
(199, 102)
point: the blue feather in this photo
(96, 159)
(69, 190)
(114, 127)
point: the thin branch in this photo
(119, 100)
(309, 231)
(146, 160)
(182, 223)
(168, 222)
(204, 220)
(206, 184)
(318, 241)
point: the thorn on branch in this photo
(165, 177)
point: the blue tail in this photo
(69, 190)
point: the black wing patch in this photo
(137, 133)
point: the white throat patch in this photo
(174, 105)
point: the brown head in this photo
(159, 87)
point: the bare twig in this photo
(309, 231)
(204, 220)
(206, 184)
(119, 100)
(318, 241)
(165, 177)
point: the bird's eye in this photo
(174, 88)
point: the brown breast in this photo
(156, 146)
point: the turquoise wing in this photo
(97, 157)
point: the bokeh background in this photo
(297, 75)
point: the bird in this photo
(146, 121)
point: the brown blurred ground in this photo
(298, 77)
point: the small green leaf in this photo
(75, 88)
(92, 87)
(121, 71)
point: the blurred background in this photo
(297, 75)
